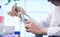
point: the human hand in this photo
(32, 27)
(15, 10)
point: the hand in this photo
(32, 27)
(14, 11)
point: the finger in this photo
(10, 14)
(16, 9)
(28, 21)
(15, 13)
(28, 30)
(13, 8)
(27, 26)
(23, 11)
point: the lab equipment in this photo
(8, 36)
(17, 33)
(6, 30)
(1, 16)
(23, 17)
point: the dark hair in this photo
(54, 0)
(49, 0)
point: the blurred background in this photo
(38, 9)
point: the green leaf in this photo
(8, 2)
(16, 0)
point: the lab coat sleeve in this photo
(46, 22)
(54, 31)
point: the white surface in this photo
(6, 30)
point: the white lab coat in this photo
(52, 22)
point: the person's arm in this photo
(54, 31)
(41, 28)
(51, 31)
(32, 27)
(46, 22)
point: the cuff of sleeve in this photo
(53, 31)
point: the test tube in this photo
(17, 33)
(1, 16)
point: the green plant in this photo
(10, 1)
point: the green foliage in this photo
(10, 1)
